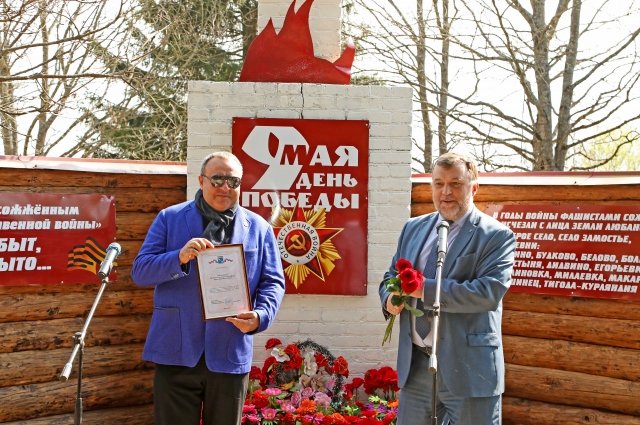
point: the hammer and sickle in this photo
(296, 243)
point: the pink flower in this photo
(296, 398)
(252, 419)
(287, 407)
(273, 391)
(268, 413)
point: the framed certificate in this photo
(223, 281)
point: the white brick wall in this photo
(324, 23)
(351, 326)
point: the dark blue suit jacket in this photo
(178, 334)
(475, 276)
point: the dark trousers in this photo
(182, 395)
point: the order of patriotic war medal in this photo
(305, 244)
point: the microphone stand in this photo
(78, 349)
(443, 234)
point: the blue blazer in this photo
(475, 276)
(178, 334)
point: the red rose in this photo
(402, 264)
(407, 275)
(410, 285)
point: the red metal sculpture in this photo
(287, 56)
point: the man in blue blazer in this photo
(476, 274)
(202, 365)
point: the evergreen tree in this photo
(179, 41)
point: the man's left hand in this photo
(246, 322)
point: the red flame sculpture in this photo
(287, 56)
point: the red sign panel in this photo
(575, 250)
(53, 238)
(309, 179)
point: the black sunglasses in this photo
(219, 181)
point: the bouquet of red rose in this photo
(405, 282)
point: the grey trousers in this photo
(415, 401)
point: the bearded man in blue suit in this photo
(202, 366)
(476, 274)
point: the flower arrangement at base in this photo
(303, 383)
(406, 281)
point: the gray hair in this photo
(222, 155)
(449, 159)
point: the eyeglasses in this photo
(219, 181)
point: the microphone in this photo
(113, 250)
(443, 234)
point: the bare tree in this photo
(528, 88)
(409, 46)
(46, 67)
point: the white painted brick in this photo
(199, 140)
(324, 114)
(280, 113)
(266, 88)
(389, 157)
(355, 115)
(198, 114)
(400, 143)
(391, 130)
(245, 87)
(320, 102)
(227, 113)
(284, 102)
(290, 88)
(400, 171)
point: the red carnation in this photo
(272, 342)
(341, 367)
(357, 382)
(321, 360)
(292, 350)
(268, 363)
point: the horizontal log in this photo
(56, 398)
(22, 180)
(573, 389)
(421, 193)
(127, 199)
(133, 225)
(612, 332)
(136, 415)
(43, 306)
(58, 333)
(419, 208)
(578, 306)
(516, 411)
(620, 363)
(46, 365)
(122, 282)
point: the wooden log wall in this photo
(570, 360)
(37, 323)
